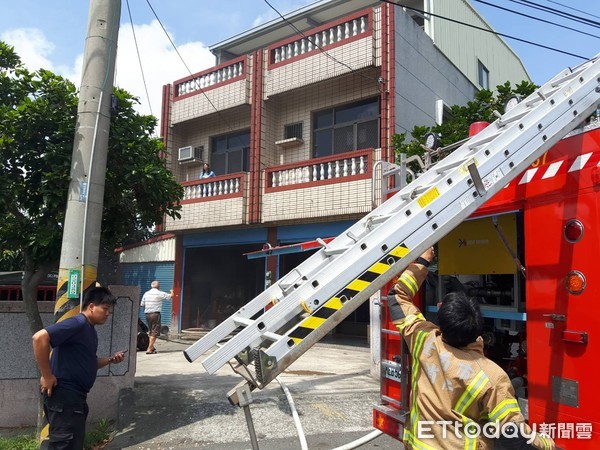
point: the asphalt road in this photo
(177, 405)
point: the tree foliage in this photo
(139, 188)
(38, 112)
(457, 128)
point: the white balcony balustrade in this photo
(209, 79)
(323, 38)
(211, 188)
(315, 170)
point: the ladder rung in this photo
(416, 191)
(533, 101)
(566, 78)
(543, 95)
(513, 118)
(451, 165)
(242, 321)
(271, 336)
(329, 251)
(335, 251)
(374, 220)
(473, 143)
(354, 237)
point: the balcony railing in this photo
(208, 79)
(223, 186)
(331, 169)
(330, 35)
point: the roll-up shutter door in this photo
(142, 274)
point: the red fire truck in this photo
(529, 256)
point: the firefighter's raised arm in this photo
(402, 311)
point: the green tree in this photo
(457, 128)
(38, 112)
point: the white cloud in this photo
(160, 61)
(31, 45)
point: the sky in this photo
(51, 35)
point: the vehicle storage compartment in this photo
(483, 258)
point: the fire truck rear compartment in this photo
(482, 257)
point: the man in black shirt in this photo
(69, 374)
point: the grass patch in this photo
(98, 437)
(18, 443)
(95, 439)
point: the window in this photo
(443, 113)
(346, 128)
(230, 153)
(483, 75)
(292, 130)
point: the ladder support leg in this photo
(241, 395)
(253, 438)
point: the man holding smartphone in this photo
(69, 374)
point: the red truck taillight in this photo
(387, 423)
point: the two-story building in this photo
(293, 119)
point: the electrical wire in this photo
(219, 113)
(556, 12)
(485, 29)
(537, 18)
(139, 58)
(299, 32)
(574, 9)
(354, 71)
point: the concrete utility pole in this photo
(81, 236)
(83, 219)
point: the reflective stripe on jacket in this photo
(455, 392)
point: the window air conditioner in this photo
(189, 153)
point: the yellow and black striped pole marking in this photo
(359, 284)
(64, 308)
(67, 306)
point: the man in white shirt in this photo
(152, 303)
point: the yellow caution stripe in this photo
(44, 432)
(359, 284)
(66, 307)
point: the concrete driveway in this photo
(177, 405)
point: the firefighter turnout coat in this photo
(459, 398)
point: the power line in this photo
(197, 83)
(139, 58)
(537, 18)
(315, 43)
(574, 9)
(557, 12)
(486, 30)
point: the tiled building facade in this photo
(293, 119)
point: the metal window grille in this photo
(292, 130)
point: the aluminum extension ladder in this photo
(313, 298)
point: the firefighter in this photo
(459, 398)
